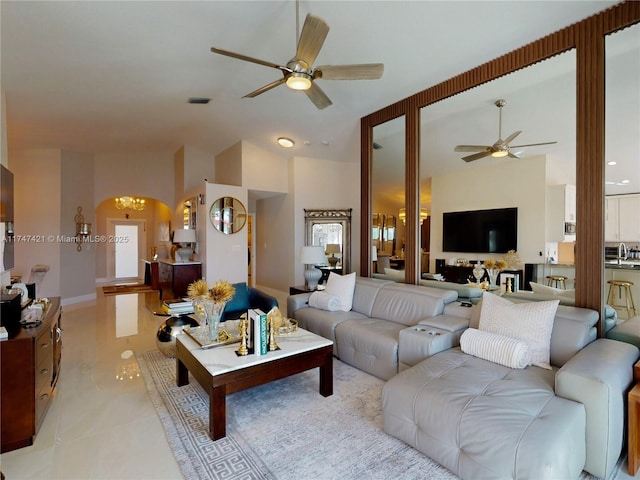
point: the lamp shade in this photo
(184, 236)
(312, 255)
(332, 248)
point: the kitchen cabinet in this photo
(560, 208)
(30, 369)
(622, 218)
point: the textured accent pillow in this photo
(531, 322)
(546, 290)
(324, 301)
(342, 286)
(499, 349)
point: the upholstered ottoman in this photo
(483, 420)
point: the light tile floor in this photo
(99, 426)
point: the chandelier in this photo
(424, 213)
(130, 203)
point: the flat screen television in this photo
(480, 231)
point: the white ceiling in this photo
(115, 76)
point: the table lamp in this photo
(184, 238)
(312, 256)
(332, 249)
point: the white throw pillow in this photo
(395, 274)
(546, 290)
(324, 301)
(499, 349)
(342, 286)
(531, 322)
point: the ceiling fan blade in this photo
(318, 97)
(512, 136)
(472, 148)
(239, 56)
(314, 32)
(267, 87)
(476, 156)
(533, 144)
(513, 155)
(364, 71)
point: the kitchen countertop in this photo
(612, 264)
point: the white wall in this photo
(264, 171)
(141, 174)
(78, 268)
(226, 254)
(37, 199)
(518, 183)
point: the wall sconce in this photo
(82, 229)
(203, 199)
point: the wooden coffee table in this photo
(220, 371)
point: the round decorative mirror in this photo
(228, 215)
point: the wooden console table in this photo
(151, 276)
(175, 277)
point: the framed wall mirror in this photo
(228, 215)
(330, 227)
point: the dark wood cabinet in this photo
(30, 370)
(175, 277)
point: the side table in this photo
(295, 290)
(634, 422)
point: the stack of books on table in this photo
(177, 306)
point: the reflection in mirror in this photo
(622, 165)
(189, 214)
(540, 103)
(388, 199)
(331, 229)
(228, 215)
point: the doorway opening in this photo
(126, 246)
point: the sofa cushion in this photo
(483, 420)
(393, 274)
(530, 322)
(498, 349)
(547, 290)
(324, 323)
(342, 287)
(408, 304)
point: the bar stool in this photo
(557, 281)
(623, 287)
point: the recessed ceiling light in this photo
(609, 183)
(611, 163)
(325, 142)
(625, 182)
(285, 142)
(307, 143)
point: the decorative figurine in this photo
(272, 337)
(243, 350)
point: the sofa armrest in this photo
(261, 300)
(598, 377)
(296, 302)
(449, 323)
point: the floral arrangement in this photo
(512, 259)
(198, 289)
(491, 264)
(221, 292)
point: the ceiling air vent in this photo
(199, 100)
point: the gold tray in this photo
(201, 336)
(292, 327)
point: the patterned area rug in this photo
(118, 289)
(286, 429)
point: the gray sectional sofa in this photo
(478, 418)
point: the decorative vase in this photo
(166, 335)
(214, 319)
(493, 277)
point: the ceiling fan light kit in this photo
(285, 142)
(298, 73)
(501, 148)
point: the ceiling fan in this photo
(499, 149)
(299, 74)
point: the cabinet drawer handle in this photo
(44, 371)
(44, 396)
(44, 345)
